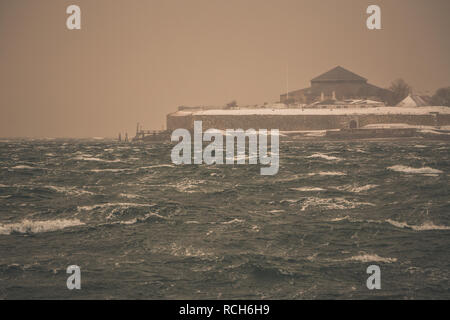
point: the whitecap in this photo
(85, 158)
(327, 173)
(406, 169)
(276, 211)
(308, 189)
(30, 226)
(323, 156)
(356, 189)
(371, 258)
(139, 219)
(116, 207)
(24, 167)
(233, 221)
(69, 190)
(129, 196)
(108, 170)
(158, 166)
(426, 226)
(332, 203)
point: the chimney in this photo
(322, 96)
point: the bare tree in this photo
(400, 90)
(442, 97)
(231, 105)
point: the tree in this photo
(231, 105)
(441, 97)
(400, 90)
(289, 101)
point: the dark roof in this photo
(339, 74)
(306, 90)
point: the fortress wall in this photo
(178, 122)
(300, 122)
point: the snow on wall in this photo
(327, 111)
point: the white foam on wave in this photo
(188, 251)
(406, 169)
(158, 166)
(371, 258)
(276, 211)
(324, 156)
(356, 189)
(88, 158)
(108, 170)
(194, 185)
(30, 226)
(327, 173)
(426, 226)
(116, 207)
(129, 196)
(24, 167)
(233, 221)
(340, 219)
(113, 204)
(139, 219)
(308, 189)
(69, 190)
(332, 203)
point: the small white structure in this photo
(413, 100)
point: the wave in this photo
(30, 226)
(189, 251)
(276, 211)
(406, 169)
(327, 173)
(233, 221)
(356, 189)
(426, 226)
(108, 170)
(308, 189)
(86, 158)
(69, 190)
(113, 205)
(371, 258)
(331, 203)
(324, 156)
(139, 219)
(130, 196)
(158, 166)
(24, 167)
(339, 219)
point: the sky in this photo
(138, 60)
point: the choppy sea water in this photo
(140, 227)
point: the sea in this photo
(140, 227)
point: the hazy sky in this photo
(137, 60)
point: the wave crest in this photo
(30, 226)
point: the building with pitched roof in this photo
(337, 83)
(414, 100)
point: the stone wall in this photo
(300, 122)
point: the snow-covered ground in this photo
(422, 129)
(403, 126)
(327, 111)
